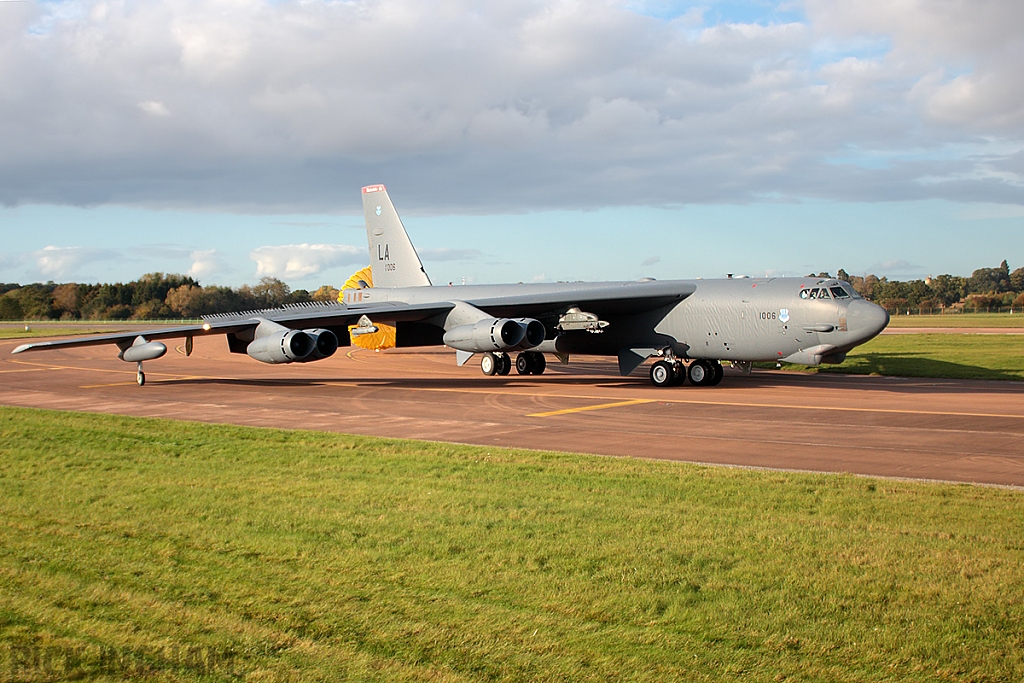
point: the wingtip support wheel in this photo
(140, 376)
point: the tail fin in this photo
(393, 259)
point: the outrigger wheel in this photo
(140, 376)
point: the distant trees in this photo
(157, 296)
(985, 289)
(153, 296)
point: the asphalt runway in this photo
(966, 431)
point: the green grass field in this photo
(186, 552)
(66, 328)
(959, 320)
(955, 356)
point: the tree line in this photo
(987, 289)
(157, 296)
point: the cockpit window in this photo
(839, 293)
(804, 293)
(852, 292)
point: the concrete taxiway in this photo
(916, 428)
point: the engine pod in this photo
(489, 334)
(284, 346)
(325, 343)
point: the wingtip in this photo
(23, 347)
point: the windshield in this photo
(839, 293)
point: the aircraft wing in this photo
(300, 316)
(611, 300)
(129, 337)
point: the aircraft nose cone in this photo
(865, 319)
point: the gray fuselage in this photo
(736, 319)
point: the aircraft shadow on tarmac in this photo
(904, 383)
(912, 365)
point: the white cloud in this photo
(58, 263)
(467, 107)
(650, 261)
(296, 261)
(154, 108)
(204, 263)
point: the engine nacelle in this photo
(496, 334)
(281, 346)
(325, 343)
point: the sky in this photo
(520, 141)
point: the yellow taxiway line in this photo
(602, 406)
(665, 399)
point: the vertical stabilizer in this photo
(393, 259)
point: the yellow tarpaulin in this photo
(384, 337)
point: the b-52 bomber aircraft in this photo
(691, 326)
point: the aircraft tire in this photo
(525, 364)
(140, 378)
(539, 363)
(504, 364)
(488, 363)
(719, 373)
(700, 373)
(662, 374)
(679, 375)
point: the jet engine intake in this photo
(282, 346)
(325, 343)
(496, 334)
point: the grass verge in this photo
(64, 328)
(952, 356)
(959, 320)
(184, 551)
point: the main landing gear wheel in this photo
(524, 364)
(662, 374)
(679, 376)
(719, 373)
(701, 373)
(531, 363)
(488, 363)
(504, 362)
(540, 363)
